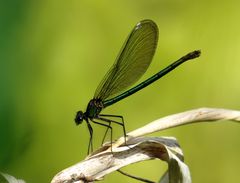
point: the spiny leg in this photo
(119, 123)
(90, 144)
(116, 122)
(105, 134)
(108, 126)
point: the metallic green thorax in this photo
(94, 108)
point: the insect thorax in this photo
(94, 108)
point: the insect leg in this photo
(90, 144)
(108, 126)
(116, 122)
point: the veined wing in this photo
(132, 62)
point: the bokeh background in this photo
(53, 54)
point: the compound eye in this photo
(79, 117)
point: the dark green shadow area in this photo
(14, 141)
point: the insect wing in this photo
(132, 61)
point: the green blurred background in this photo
(53, 54)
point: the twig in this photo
(135, 177)
(187, 117)
(103, 161)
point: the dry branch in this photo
(138, 148)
